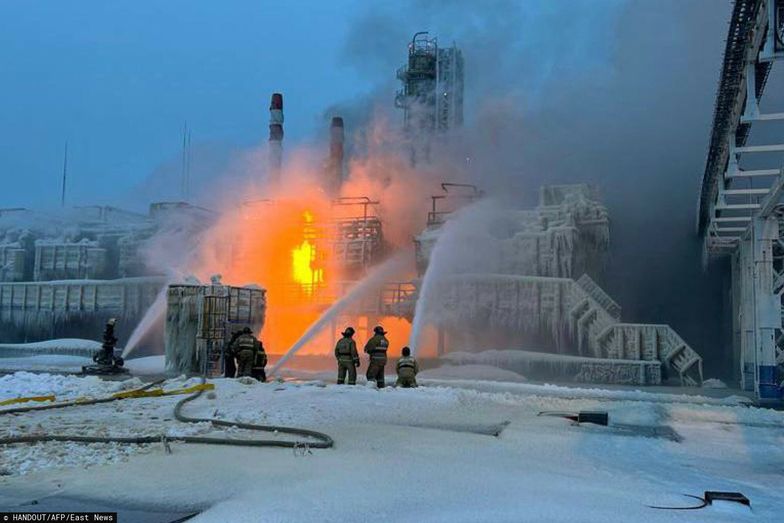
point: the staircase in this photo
(638, 341)
(581, 307)
(588, 319)
(596, 292)
(596, 324)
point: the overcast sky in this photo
(117, 79)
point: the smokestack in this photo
(336, 138)
(275, 137)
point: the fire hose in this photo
(79, 401)
(313, 439)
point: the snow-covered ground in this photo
(45, 362)
(405, 454)
(474, 372)
(63, 346)
(57, 355)
(146, 365)
(65, 363)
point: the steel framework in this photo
(432, 92)
(739, 209)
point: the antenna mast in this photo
(65, 174)
(188, 168)
(183, 173)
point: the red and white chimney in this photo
(275, 137)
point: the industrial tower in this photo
(432, 93)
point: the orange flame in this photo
(279, 242)
(303, 259)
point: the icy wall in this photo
(92, 242)
(73, 308)
(498, 277)
(69, 261)
(564, 367)
(64, 272)
(565, 236)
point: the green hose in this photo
(322, 441)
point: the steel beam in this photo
(740, 192)
(753, 173)
(772, 200)
(744, 40)
(737, 206)
(762, 117)
(720, 219)
(772, 148)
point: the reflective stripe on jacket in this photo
(261, 356)
(377, 346)
(246, 342)
(406, 363)
(346, 348)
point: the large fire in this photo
(304, 267)
(280, 241)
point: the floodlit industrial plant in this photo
(503, 261)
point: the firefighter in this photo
(347, 356)
(407, 369)
(229, 365)
(376, 347)
(244, 349)
(259, 362)
(106, 355)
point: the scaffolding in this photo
(200, 320)
(356, 238)
(442, 205)
(739, 207)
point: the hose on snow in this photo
(313, 439)
(695, 507)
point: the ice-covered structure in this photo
(200, 320)
(567, 234)
(64, 272)
(516, 284)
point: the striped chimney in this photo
(275, 137)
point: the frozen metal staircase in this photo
(596, 324)
(596, 292)
(648, 342)
(580, 307)
(569, 309)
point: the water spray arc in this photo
(153, 315)
(373, 280)
(437, 267)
